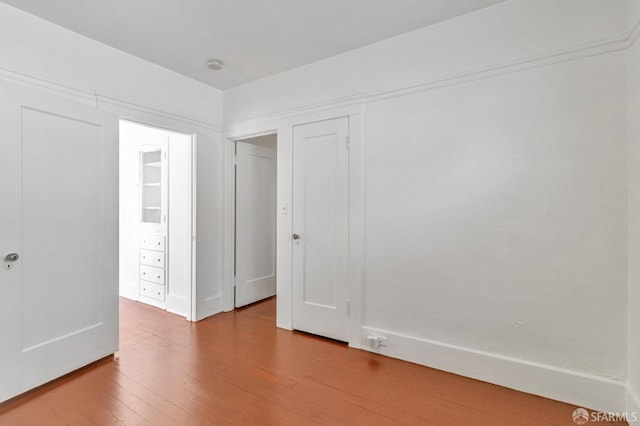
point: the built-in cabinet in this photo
(157, 236)
(153, 224)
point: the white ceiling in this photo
(254, 38)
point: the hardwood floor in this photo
(238, 368)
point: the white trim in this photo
(585, 390)
(283, 126)
(599, 47)
(191, 312)
(356, 227)
(632, 406)
(209, 306)
(99, 98)
(228, 243)
(131, 106)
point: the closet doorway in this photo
(156, 217)
(255, 219)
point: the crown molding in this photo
(132, 106)
(97, 99)
(600, 47)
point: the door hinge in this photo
(348, 142)
(235, 159)
(348, 308)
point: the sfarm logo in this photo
(580, 416)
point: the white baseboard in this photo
(176, 305)
(207, 307)
(633, 406)
(589, 391)
(130, 290)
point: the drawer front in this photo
(152, 290)
(152, 258)
(149, 273)
(152, 242)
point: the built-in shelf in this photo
(153, 228)
(152, 181)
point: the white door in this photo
(321, 228)
(58, 212)
(255, 223)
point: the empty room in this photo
(320, 212)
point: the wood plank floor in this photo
(238, 368)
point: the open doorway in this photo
(156, 217)
(255, 219)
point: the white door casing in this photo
(255, 223)
(320, 268)
(180, 226)
(59, 212)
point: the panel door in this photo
(321, 228)
(255, 223)
(58, 212)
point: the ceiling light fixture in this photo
(215, 64)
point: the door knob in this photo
(12, 257)
(296, 236)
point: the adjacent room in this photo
(336, 212)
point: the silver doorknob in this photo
(12, 257)
(296, 236)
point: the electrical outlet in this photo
(377, 341)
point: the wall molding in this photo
(132, 106)
(347, 102)
(209, 306)
(596, 48)
(586, 390)
(100, 98)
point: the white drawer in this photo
(152, 290)
(152, 242)
(149, 273)
(152, 258)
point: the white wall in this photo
(633, 136)
(130, 137)
(33, 46)
(40, 53)
(502, 34)
(495, 200)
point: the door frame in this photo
(190, 313)
(235, 251)
(283, 126)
